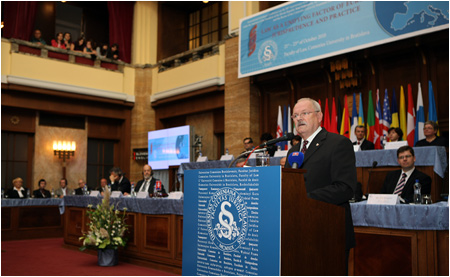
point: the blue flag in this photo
(432, 112)
(420, 117)
(387, 117)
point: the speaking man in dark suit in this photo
(329, 161)
(148, 183)
(402, 181)
(119, 181)
(360, 132)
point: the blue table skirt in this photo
(411, 217)
(137, 205)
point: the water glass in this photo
(426, 199)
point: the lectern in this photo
(312, 232)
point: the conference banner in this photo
(302, 31)
(231, 221)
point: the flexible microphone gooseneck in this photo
(288, 136)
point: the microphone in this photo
(374, 164)
(296, 159)
(288, 136)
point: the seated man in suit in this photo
(41, 192)
(80, 190)
(63, 190)
(18, 191)
(360, 132)
(103, 186)
(119, 181)
(148, 183)
(402, 181)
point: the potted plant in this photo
(106, 231)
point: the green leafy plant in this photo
(107, 226)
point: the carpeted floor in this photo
(47, 257)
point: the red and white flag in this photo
(410, 118)
(279, 124)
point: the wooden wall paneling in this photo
(179, 237)
(175, 22)
(157, 235)
(104, 128)
(74, 225)
(132, 232)
(18, 120)
(6, 218)
(442, 253)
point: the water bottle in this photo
(109, 187)
(383, 141)
(226, 152)
(28, 193)
(417, 192)
(53, 193)
(3, 193)
(133, 193)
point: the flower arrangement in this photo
(106, 226)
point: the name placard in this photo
(175, 195)
(116, 194)
(383, 199)
(142, 194)
(231, 221)
(95, 193)
(202, 159)
(227, 157)
(356, 148)
(280, 153)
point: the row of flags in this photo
(379, 117)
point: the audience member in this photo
(430, 130)
(79, 45)
(63, 190)
(58, 42)
(283, 162)
(148, 183)
(68, 40)
(295, 140)
(360, 132)
(37, 38)
(395, 134)
(271, 148)
(402, 181)
(103, 186)
(41, 192)
(80, 190)
(248, 144)
(113, 52)
(102, 51)
(17, 191)
(119, 181)
(89, 49)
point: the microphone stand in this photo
(249, 153)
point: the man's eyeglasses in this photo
(404, 157)
(302, 115)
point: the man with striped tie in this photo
(402, 181)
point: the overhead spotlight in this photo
(3, 24)
(205, 2)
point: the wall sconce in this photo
(64, 149)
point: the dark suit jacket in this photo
(366, 145)
(38, 194)
(79, 191)
(12, 193)
(151, 187)
(331, 174)
(124, 186)
(393, 177)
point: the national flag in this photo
(279, 125)
(387, 117)
(377, 132)
(338, 114)
(402, 114)
(420, 117)
(333, 119)
(289, 127)
(326, 117)
(345, 125)
(361, 111)
(394, 111)
(284, 145)
(410, 128)
(320, 104)
(370, 119)
(432, 112)
(354, 119)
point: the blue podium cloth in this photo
(137, 205)
(410, 217)
(34, 202)
(425, 156)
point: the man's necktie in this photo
(144, 186)
(305, 142)
(359, 143)
(400, 185)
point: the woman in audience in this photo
(18, 191)
(59, 41)
(102, 51)
(41, 192)
(430, 129)
(68, 40)
(395, 134)
(89, 49)
(79, 45)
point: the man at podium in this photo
(329, 160)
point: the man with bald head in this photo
(329, 161)
(148, 183)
